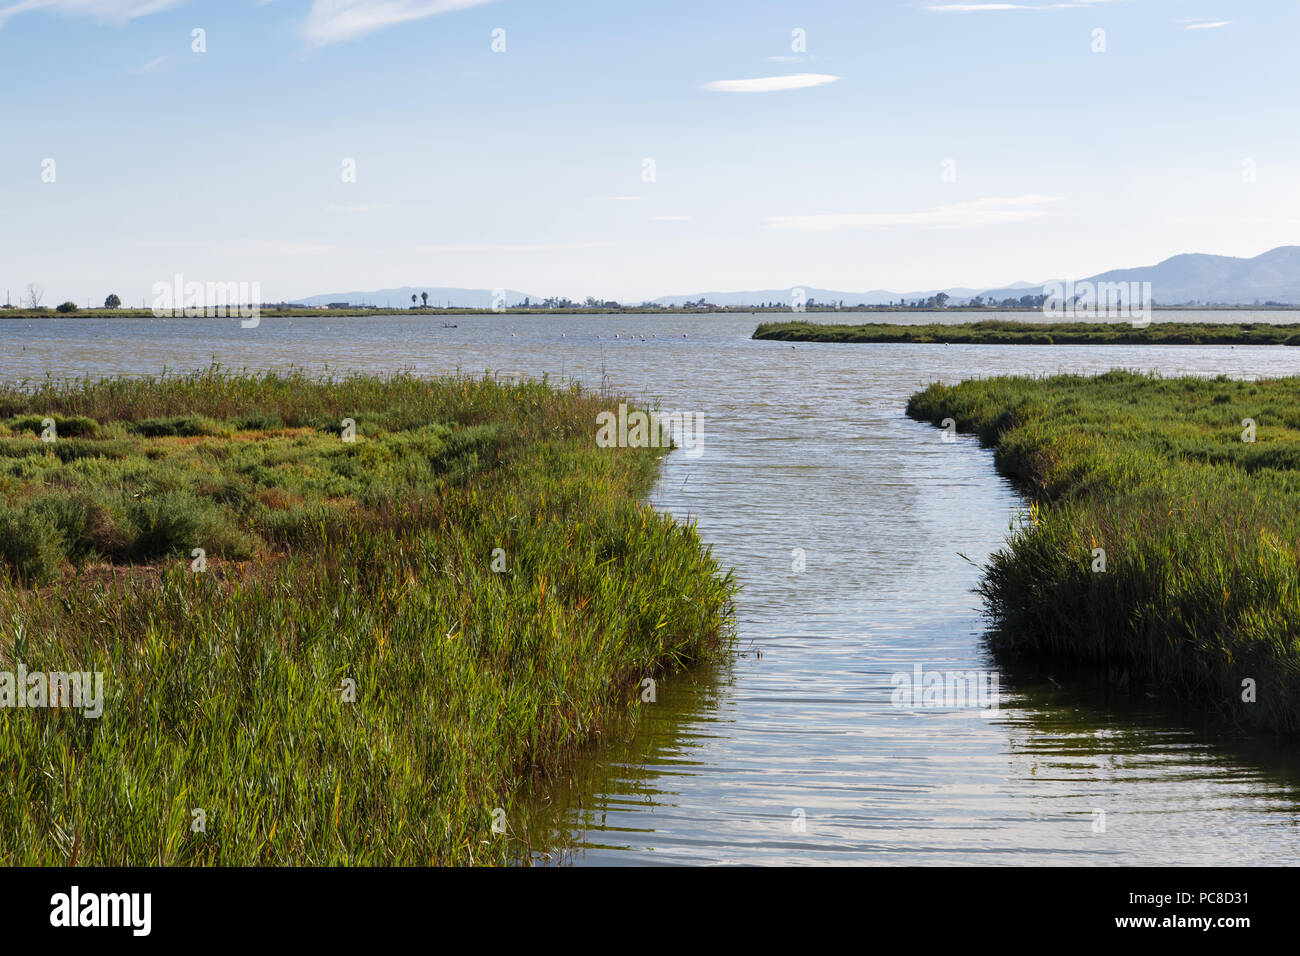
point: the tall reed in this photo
(1163, 534)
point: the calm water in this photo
(793, 752)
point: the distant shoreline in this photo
(364, 312)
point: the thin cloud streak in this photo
(246, 247)
(993, 211)
(771, 84)
(512, 247)
(1001, 7)
(153, 64)
(337, 21)
(360, 207)
(111, 11)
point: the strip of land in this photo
(1163, 538)
(339, 621)
(359, 311)
(1037, 333)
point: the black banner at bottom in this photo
(334, 906)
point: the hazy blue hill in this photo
(1273, 276)
(1197, 277)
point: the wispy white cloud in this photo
(1254, 221)
(1204, 24)
(337, 21)
(976, 7)
(277, 248)
(771, 84)
(258, 248)
(153, 64)
(359, 207)
(110, 11)
(963, 215)
(511, 247)
(998, 7)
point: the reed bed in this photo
(383, 640)
(1198, 589)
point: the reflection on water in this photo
(798, 755)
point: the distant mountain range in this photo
(1190, 279)
(1198, 279)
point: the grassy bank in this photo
(351, 672)
(1037, 333)
(1200, 586)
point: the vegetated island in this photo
(994, 332)
(1163, 538)
(322, 650)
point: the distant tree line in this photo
(34, 295)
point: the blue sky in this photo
(910, 144)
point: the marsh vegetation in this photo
(1163, 536)
(380, 641)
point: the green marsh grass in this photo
(331, 565)
(1200, 529)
